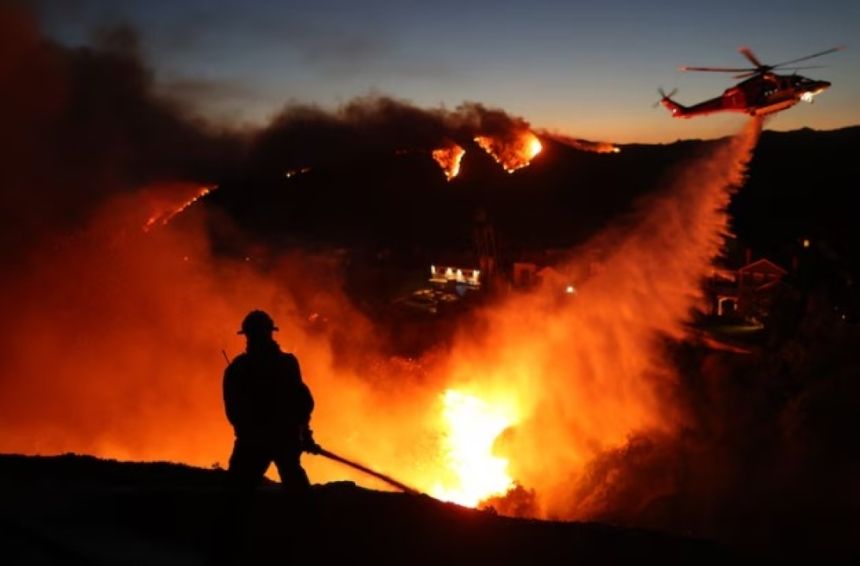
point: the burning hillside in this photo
(367, 128)
(166, 206)
(513, 151)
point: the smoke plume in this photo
(302, 135)
(83, 124)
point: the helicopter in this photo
(763, 92)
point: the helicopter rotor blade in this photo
(747, 52)
(664, 96)
(715, 69)
(766, 69)
(819, 54)
(804, 67)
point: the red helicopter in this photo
(763, 91)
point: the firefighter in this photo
(269, 407)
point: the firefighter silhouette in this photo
(269, 407)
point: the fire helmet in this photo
(257, 322)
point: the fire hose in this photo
(387, 479)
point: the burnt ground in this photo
(81, 510)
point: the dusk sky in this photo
(587, 69)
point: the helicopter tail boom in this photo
(677, 110)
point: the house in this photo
(747, 293)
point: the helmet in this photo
(257, 322)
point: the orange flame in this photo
(605, 147)
(449, 159)
(472, 427)
(511, 152)
(168, 211)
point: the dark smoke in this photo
(82, 124)
(302, 135)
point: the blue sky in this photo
(588, 69)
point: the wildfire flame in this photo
(605, 147)
(449, 159)
(168, 212)
(512, 153)
(472, 428)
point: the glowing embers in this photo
(597, 147)
(511, 151)
(166, 211)
(295, 172)
(472, 427)
(449, 158)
